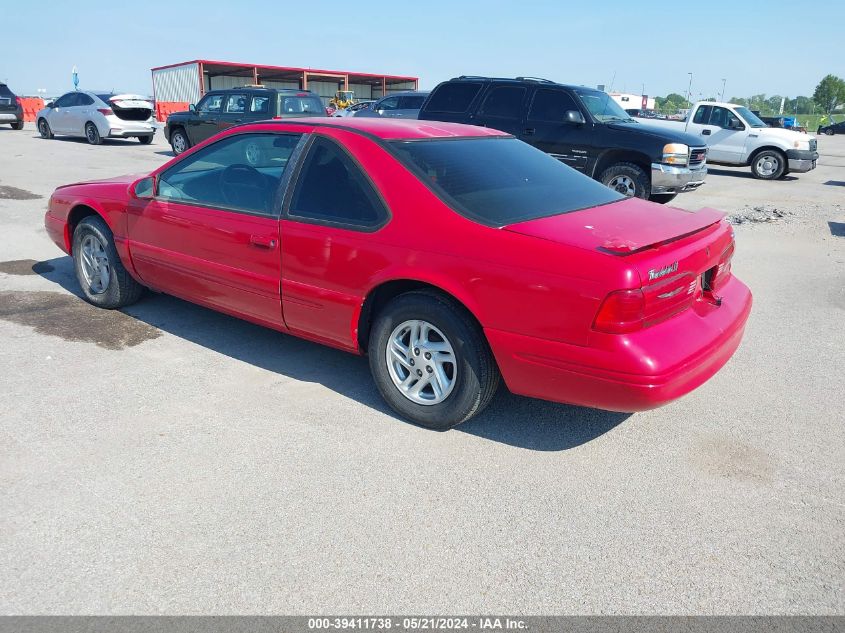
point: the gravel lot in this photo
(168, 459)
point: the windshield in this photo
(500, 180)
(602, 107)
(752, 119)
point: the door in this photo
(332, 208)
(203, 124)
(548, 129)
(388, 107)
(211, 233)
(234, 110)
(409, 106)
(503, 109)
(79, 113)
(57, 117)
(724, 133)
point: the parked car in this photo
(11, 111)
(95, 116)
(582, 127)
(351, 110)
(397, 105)
(221, 109)
(736, 136)
(448, 262)
(832, 128)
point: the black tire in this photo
(92, 134)
(179, 141)
(628, 179)
(662, 198)
(122, 290)
(769, 164)
(477, 375)
(17, 125)
(44, 129)
(829, 131)
(145, 140)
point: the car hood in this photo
(619, 228)
(788, 136)
(670, 136)
(123, 181)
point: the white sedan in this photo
(95, 116)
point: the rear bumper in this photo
(671, 179)
(801, 161)
(10, 117)
(118, 128)
(633, 372)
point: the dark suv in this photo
(220, 109)
(579, 126)
(11, 111)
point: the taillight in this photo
(716, 276)
(18, 101)
(105, 111)
(277, 118)
(621, 311)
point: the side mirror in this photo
(143, 189)
(735, 124)
(192, 107)
(51, 105)
(574, 116)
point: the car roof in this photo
(394, 128)
(261, 89)
(516, 80)
(403, 93)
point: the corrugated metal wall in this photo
(362, 91)
(178, 83)
(398, 87)
(221, 82)
(326, 89)
(280, 84)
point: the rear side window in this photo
(504, 101)
(84, 100)
(332, 189)
(454, 97)
(4, 91)
(301, 105)
(551, 105)
(236, 103)
(500, 181)
(260, 105)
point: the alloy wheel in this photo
(95, 264)
(767, 164)
(421, 362)
(624, 185)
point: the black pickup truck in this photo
(220, 109)
(579, 126)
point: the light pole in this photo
(689, 90)
(722, 96)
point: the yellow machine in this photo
(343, 99)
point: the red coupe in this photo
(451, 255)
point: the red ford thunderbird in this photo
(453, 256)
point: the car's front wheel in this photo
(768, 165)
(44, 129)
(628, 179)
(92, 134)
(179, 141)
(104, 280)
(829, 132)
(145, 140)
(17, 125)
(430, 360)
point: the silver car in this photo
(96, 116)
(397, 105)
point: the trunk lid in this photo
(619, 228)
(131, 107)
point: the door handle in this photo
(262, 241)
(238, 120)
(529, 130)
(706, 132)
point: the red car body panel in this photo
(534, 287)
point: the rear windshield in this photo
(4, 90)
(501, 180)
(301, 105)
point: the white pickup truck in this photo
(736, 136)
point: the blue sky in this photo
(773, 47)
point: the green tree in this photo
(739, 101)
(773, 104)
(829, 93)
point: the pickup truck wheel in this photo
(104, 280)
(662, 198)
(628, 179)
(768, 165)
(179, 141)
(430, 361)
(17, 125)
(44, 129)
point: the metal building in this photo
(177, 85)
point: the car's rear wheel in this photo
(628, 179)
(92, 134)
(662, 198)
(44, 129)
(104, 280)
(430, 360)
(768, 165)
(179, 141)
(829, 132)
(145, 140)
(17, 125)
